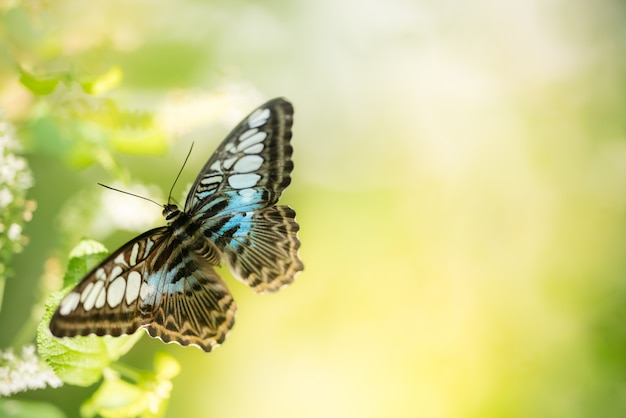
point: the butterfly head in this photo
(170, 212)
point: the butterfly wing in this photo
(152, 283)
(263, 250)
(197, 309)
(251, 167)
(169, 286)
(234, 194)
(110, 300)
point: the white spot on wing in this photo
(86, 291)
(254, 149)
(146, 290)
(132, 287)
(149, 244)
(258, 118)
(251, 140)
(117, 270)
(247, 134)
(248, 163)
(228, 163)
(90, 301)
(133, 254)
(100, 275)
(247, 195)
(120, 258)
(215, 178)
(69, 303)
(215, 166)
(247, 192)
(243, 181)
(115, 292)
(101, 299)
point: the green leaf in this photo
(115, 398)
(84, 257)
(26, 409)
(81, 360)
(39, 86)
(146, 398)
(104, 82)
(167, 367)
(89, 129)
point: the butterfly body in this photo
(164, 280)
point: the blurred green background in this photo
(460, 182)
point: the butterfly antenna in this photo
(132, 194)
(169, 197)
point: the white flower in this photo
(15, 231)
(15, 179)
(24, 372)
(5, 197)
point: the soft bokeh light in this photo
(460, 182)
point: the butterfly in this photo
(164, 280)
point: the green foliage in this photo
(84, 257)
(86, 126)
(93, 85)
(82, 129)
(146, 398)
(79, 361)
(103, 83)
(12, 408)
(38, 85)
(72, 120)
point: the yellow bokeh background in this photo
(460, 182)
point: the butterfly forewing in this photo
(251, 167)
(150, 283)
(115, 298)
(164, 280)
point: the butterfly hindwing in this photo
(200, 312)
(263, 252)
